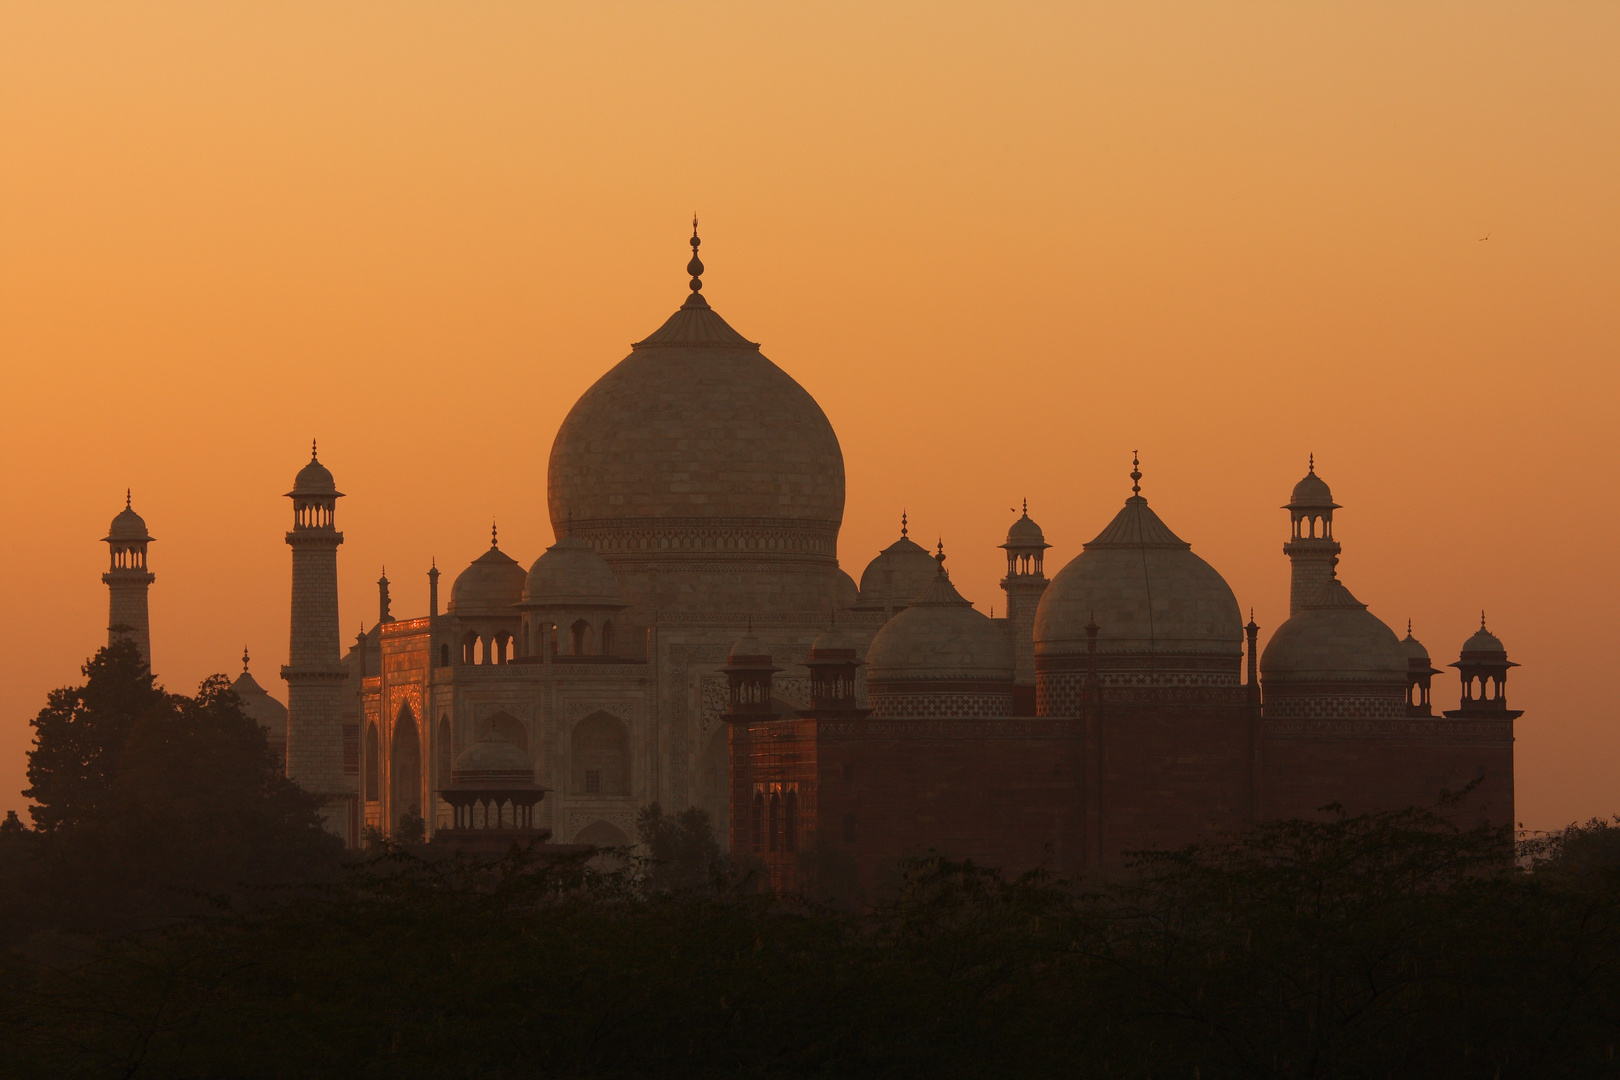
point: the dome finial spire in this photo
(494, 537)
(939, 557)
(695, 267)
(903, 525)
(1136, 474)
(127, 492)
(244, 660)
(1312, 460)
(1482, 618)
(312, 450)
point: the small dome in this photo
(831, 640)
(1025, 533)
(1312, 492)
(1146, 590)
(491, 585)
(748, 647)
(491, 757)
(571, 574)
(940, 636)
(897, 576)
(1334, 639)
(259, 705)
(314, 478)
(127, 526)
(1484, 646)
(1414, 648)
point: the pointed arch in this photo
(405, 767)
(599, 756)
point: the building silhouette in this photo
(691, 639)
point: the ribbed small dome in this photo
(491, 585)
(831, 640)
(1414, 648)
(128, 526)
(897, 576)
(1025, 533)
(940, 636)
(1146, 590)
(314, 479)
(1334, 639)
(491, 758)
(748, 647)
(1312, 492)
(571, 574)
(1485, 645)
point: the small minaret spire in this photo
(433, 588)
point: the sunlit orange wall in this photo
(1002, 245)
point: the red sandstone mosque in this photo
(691, 639)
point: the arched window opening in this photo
(444, 655)
(469, 648)
(373, 757)
(405, 774)
(600, 744)
(581, 634)
(790, 828)
(607, 638)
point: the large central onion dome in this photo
(695, 466)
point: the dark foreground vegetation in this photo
(176, 912)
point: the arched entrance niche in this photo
(599, 755)
(405, 768)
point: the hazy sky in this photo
(1003, 245)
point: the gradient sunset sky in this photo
(1003, 245)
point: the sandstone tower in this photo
(127, 581)
(1024, 584)
(1312, 549)
(315, 670)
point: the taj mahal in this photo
(692, 639)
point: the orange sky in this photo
(1003, 245)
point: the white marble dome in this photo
(940, 636)
(491, 585)
(571, 574)
(695, 423)
(1334, 639)
(1146, 590)
(897, 576)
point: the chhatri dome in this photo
(1146, 590)
(696, 464)
(491, 585)
(900, 572)
(127, 526)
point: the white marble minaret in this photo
(1311, 551)
(315, 670)
(127, 580)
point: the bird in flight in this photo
(1484, 238)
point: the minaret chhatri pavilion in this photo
(127, 581)
(315, 669)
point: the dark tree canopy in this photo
(150, 804)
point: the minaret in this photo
(1024, 584)
(127, 580)
(1312, 548)
(315, 670)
